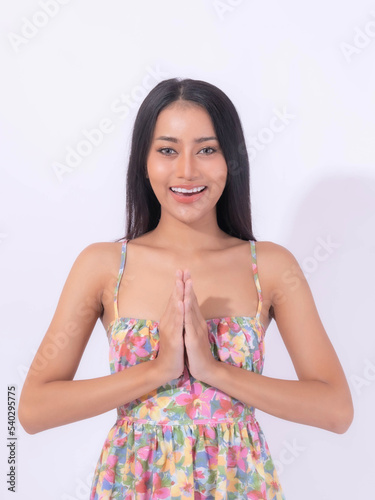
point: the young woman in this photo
(186, 298)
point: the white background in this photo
(312, 187)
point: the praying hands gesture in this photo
(183, 333)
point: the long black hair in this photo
(233, 209)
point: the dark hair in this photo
(233, 208)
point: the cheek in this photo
(157, 171)
(222, 175)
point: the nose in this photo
(186, 166)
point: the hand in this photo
(170, 358)
(200, 360)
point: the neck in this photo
(185, 238)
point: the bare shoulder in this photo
(101, 249)
(100, 252)
(97, 262)
(277, 266)
(269, 249)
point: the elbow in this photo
(342, 418)
(28, 416)
(24, 420)
(31, 411)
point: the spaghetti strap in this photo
(256, 277)
(123, 254)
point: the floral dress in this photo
(186, 439)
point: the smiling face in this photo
(185, 153)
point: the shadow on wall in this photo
(333, 239)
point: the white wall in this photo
(312, 184)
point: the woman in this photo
(187, 383)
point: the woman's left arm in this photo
(321, 396)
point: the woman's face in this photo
(185, 153)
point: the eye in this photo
(208, 150)
(166, 151)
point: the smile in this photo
(188, 196)
(183, 190)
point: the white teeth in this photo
(182, 190)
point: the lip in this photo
(188, 199)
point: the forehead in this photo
(183, 117)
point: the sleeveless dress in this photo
(186, 439)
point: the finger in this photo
(180, 306)
(187, 275)
(191, 317)
(190, 294)
(175, 305)
(195, 315)
(180, 300)
(179, 284)
(188, 312)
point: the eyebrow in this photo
(174, 139)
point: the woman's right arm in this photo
(50, 397)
